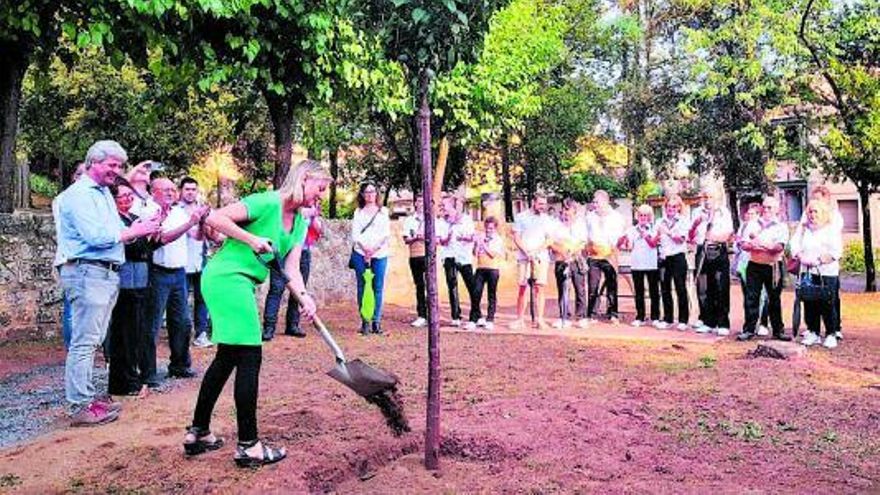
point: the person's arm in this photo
(296, 285)
(834, 245)
(357, 227)
(777, 244)
(172, 235)
(695, 225)
(226, 220)
(384, 226)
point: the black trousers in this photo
(575, 271)
(484, 277)
(246, 361)
(131, 343)
(452, 269)
(823, 312)
(599, 268)
(675, 270)
(653, 279)
(769, 278)
(713, 288)
(417, 266)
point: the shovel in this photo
(376, 386)
(531, 282)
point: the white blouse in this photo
(810, 245)
(378, 234)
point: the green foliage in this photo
(853, 259)
(67, 109)
(344, 209)
(43, 186)
(708, 362)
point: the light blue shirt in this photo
(90, 227)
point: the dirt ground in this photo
(611, 409)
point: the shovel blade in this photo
(364, 379)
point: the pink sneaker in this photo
(93, 415)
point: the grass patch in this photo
(708, 362)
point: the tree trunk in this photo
(506, 186)
(334, 173)
(22, 181)
(870, 272)
(281, 112)
(14, 61)
(432, 420)
(440, 171)
(731, 203)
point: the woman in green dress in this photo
(253, 225)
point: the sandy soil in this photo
(611, 410)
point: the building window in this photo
(849, 210)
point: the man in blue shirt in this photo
(91, 235)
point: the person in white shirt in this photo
(765, 270)
(711, 229)
(144, 205)
(414, 237)
(168, 290)
(748, 231)
(371, 237)
(641, 240)
(818, 246)
(671, 234)
(532, 235)
(822, 193)
(195, 259)
(489, 250)
(570, 240)
(605, 226)
(455, 234)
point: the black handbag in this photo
(810, 291)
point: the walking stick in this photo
(563, 304)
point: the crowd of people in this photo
(584, 244)
(134, 247)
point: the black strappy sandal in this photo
(200, 446)
(270, 455)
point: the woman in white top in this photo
(641, 240)
(370, 235)
(818, 246)
(568, 246)
(672, 231)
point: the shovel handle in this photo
(328, 339)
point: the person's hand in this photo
(260, 245)
(307, 306)
(146, 227)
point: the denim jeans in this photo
(66, 319)
(92, 291)
(200, 311)
(378, 265)
(168, 295)
(276, 292)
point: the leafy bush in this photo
(343, 210)
(43, 186)
(853, 259)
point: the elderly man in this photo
(765, 270)
(533, 234)
(91, 236)
(711, 228)
(168, 291)
(61, 258)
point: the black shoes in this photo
(365, 327)
(268, 334)
(295, 332)
(185, 373)
(781, 337)
(376, 328)
(743, 336)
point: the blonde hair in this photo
(645, 210)
(293, 185)
(674, 200)
(823, 216)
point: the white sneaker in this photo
(810, 338)
(661, 325)
(559, 324)
(722, 331)
(583, 323)
(637, 323)
(830, 342)
(489, 325)
(698, 324)
(470, 325)
(481, 322)
(419, 322)
(703, 329)
(202, 341)
(456, 323)
(763, 331)
(682, 327)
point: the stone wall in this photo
(30, 298)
